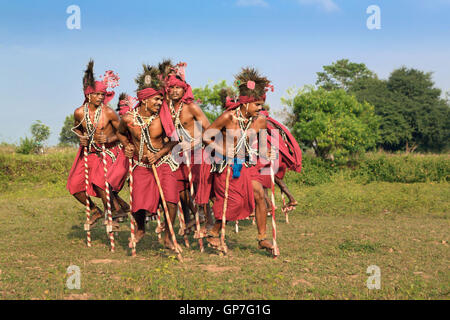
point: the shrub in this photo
(27, 146)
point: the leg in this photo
(266, 199)
(102, 194)
(167, 236)
(96, 213)
(122, 203)
(184, 204)
(261, 215)
(284, 188)
(139, 217)
(214, 235)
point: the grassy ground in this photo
(337, 231)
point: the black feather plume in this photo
(122, 96)
(165, 67)
(149, 78)
(88, 79)
(251, 74)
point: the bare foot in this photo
(168, 244)
(202, 234)
(138, 236)
(160, 229)
(125, 207)
(266, 245)
(214, 242)
(95, 216)
(290, 206)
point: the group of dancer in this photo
(176, 161)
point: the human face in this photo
(176, 93)
(154, 103)
(254, 108)
(97, 98)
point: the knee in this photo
(259, 194)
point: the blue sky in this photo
(42, 61)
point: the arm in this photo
(219, 124)
(122, 135)
(167, 147)
(78, 116)
(199, 116)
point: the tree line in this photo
(351, 110)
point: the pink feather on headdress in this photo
(180, 70)
(110, 79)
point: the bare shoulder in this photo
(193, 108)
(260, 121)
(78, 113)
(110, 113)
(261, 118)
(127, 117)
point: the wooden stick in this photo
(166, 210)
(87, 226)
(284, 209)
(276, 251)
(224, 217)
(132, 222)
(108, 203)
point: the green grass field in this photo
(336, 232)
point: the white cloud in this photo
(252, 3)
(327, 5)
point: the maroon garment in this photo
(281, 169)
(145, 189)
(76, 180)
(201, 178)
(256, 174)
(205, 182)
(241, 201)
(118, 173)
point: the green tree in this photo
(413, 113)
(394, 129)
(209, 98)
(342, 74)
(67, 137)
(40, 133)
(334, 123)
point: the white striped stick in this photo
(236, 226)
(87, 226)
(132, 221)
(276, 251)
(285, 210)
(108, 203)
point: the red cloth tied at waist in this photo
(145, 189)
(96, 174)
(230, 105)
(118, 173)
(99, 87)
(241, 201)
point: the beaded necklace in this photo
(145, 138)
